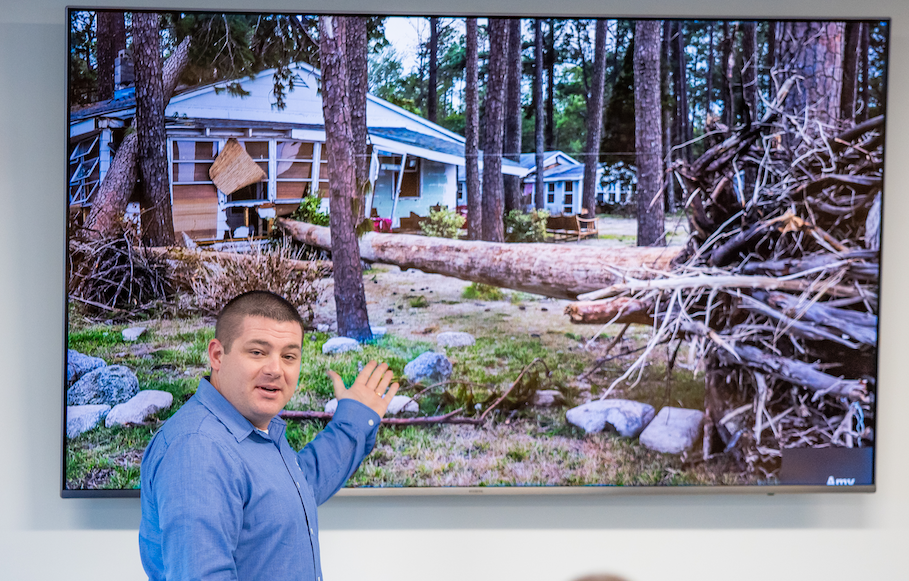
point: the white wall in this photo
(722, 537)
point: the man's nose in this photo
(273, 365)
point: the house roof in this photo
(529, 160)
(390, 127)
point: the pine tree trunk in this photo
(109, 203)
(726, 71)
(159, 229)
(513, 186)
(814, 50)
(648, 133)
(684, 114)
(111, 39)
(432, 101)
(493, 184)
(749, 94)
(711, 58)
(864, 86)
(749, 68)
(666, 115)
(356, 57)
(595, 120)
(472, 135)
(853, 34)
(550, 87)
(539, 196)
(350, 296)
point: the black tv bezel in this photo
(585, 490)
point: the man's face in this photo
(260, 373)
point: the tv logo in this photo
(831, 481)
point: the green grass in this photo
(482, 292)
(417, 302)
(520, 444)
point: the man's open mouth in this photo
(268, 389)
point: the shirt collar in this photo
(222, 409)
(228, 415)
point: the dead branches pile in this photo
(115, 274)
(278, 268)
(779, 292)
(118, 277)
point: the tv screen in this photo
(598, 253)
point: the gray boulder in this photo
(78, 365)
(430, 367)
(628, 418)
(104, 386)
(82, 418)
(455, 339)
(673, 430)
(139, 408)
(399, 404)
(340, 345)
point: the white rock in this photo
(139, 408)
(82, 418)
(402, 404)
(627, 417)
(340, 345)
(322, 328)
(399, 404)
(133, 333)
(455, 339)
(673, 430)
(378, 332)
(547, 397)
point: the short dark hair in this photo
(257, 303)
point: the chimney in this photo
(124, 74)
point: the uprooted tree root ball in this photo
(778, 293)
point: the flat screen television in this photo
(600, 254)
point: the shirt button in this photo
(298, 485)
(371, 423)
(311, 532)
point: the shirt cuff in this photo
(351, 411)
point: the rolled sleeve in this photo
(335, 454)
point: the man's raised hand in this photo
(369, 388)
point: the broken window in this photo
(293, 174)
(84, 171)
(258, 150)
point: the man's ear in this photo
(215, 353)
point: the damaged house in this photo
(235, 163)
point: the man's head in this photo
(255, 355)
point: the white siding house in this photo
(414, 163)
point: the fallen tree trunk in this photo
(619, 310)
(555, 270)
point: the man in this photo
(224, 496)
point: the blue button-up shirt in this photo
(221, 500)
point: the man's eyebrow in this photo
(264, 343)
